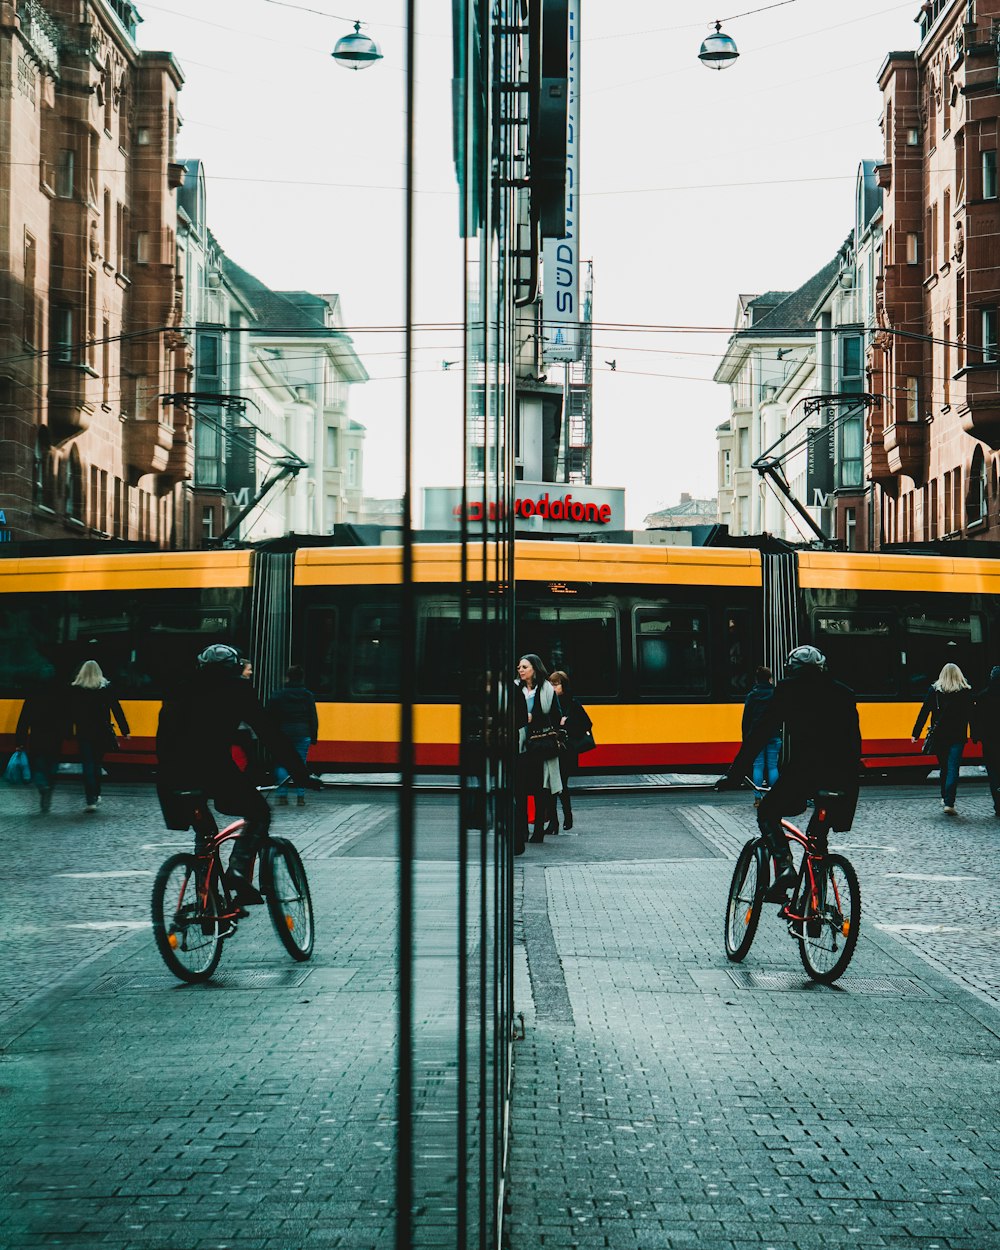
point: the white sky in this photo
(697, 185)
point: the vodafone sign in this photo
(545, 506)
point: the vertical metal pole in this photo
(404, 1119)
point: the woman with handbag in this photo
(579, 738)
(542, 744)
(40, 731)
(92, 706)
(949, 705)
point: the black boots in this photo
(784, 869)
(239, 877)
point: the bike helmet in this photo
(220, 656)
(805, 657)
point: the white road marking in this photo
(115, 872)
(927, 876)
(921, 928)
(110, 924)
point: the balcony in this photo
(905, 444)
(979, 411)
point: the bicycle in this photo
(824, 910)
(194, 911)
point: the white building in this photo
(769, 366)
(272, 376)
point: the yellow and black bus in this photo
(660, 642)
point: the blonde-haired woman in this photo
(949, 705)
(92, 705)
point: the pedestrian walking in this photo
(293, 707)
(543, 780)
(92, 705)
(579, 738)
(41, 728)
(948, 703)
(985, 728)
(765, 765)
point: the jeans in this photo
(43, 769)
(90, 760)
(766, 764)
(302, 746)
(950, 762)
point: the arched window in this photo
(976, 499)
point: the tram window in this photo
(171, 638)
(321, 652)
(737, 675)
(671, 656)
(582, 640)
(28, 648)
(932, 639)
(375, 650)
(860, 650)
(440, 633)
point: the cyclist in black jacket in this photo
(194, 748)
(822, 751)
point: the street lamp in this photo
(356, 51)
(718, 51)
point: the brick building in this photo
(932, 445)
(90, 302)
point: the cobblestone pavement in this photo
(657, 1101)
(667, 1098)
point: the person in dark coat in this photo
(41, 728)
(986, 729)
(822, 752)
(195, 763)
(92, 705)
(294, 708)
(765, 766)
(577, 723)
(948, 703)
(543, 777)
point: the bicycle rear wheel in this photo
(288, 899)
(746, 898)
(186, 918)
(830, 930)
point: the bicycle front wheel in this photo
(288, 899)
(746, 898)
(832, 920)
(186, 923)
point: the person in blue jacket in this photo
(765, 765)
(294, 708)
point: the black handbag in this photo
(930, 746)
(582, 744)
(547, 743)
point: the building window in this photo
(946, 229)
(207, 451)
(353, 467)
(107, 226)
(932, 510)
(989, 174)
(727, 468)
(959, 168)
(851, 529)
(29, 328)
(209, 363)
(744, 514)
(989, 335)
(66, 174)
(975, 499)
(946, 364)
(207, 523)
(913, 249)
(106, 362)
(142, 136)
(109, 92)
(62, 334)
(852, 381)
(73, 486)
(911, 398)
(122, 232)
(330, 519)
(743, 443)
(852, 445)
(144, 247)
(960, 318)
(92, 318)
(332, 460)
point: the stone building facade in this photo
(932, 446)
(91, 341)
